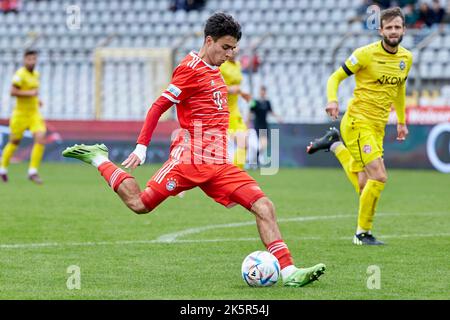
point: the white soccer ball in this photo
(260, 269)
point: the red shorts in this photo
(225, 183)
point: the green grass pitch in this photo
(75, 219)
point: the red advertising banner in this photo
(105, 130)
(424, 115)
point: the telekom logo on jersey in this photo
(217, 96)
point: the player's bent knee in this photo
(15, 141)
(249, 196)
(150, 199)
(39, 137)
(264, 208)
(40, 140)
(381, 177)
(137, 206)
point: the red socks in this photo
(113, 175)
(280, 250)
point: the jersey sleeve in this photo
(410, 62)
(17, 79)
(359, 59)
(400, 100)
(182, 85)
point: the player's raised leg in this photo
(331, 141)
(270, 235)
(120, 181)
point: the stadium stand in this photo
(299, 42)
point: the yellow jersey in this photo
(231, 72)
(380, 78)
(26, 80)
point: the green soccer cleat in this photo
(86, 153)
(303, 276)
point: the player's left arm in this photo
(137, 157)
(180, 88)
(358, 60)
(400, 108)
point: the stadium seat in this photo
(303, 35)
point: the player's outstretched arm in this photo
(332, 108)
(137, 157)
(16, 92)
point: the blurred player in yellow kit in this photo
(380, 70)
(231, 72)
(26, 115)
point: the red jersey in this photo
(200, 95)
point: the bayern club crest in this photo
(367, 148)
(402, 65)
(171, 184)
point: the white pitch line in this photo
(173, 237)
(137, 242)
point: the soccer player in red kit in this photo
(198, 155)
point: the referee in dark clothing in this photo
(260, 109)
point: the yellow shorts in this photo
(236, 124)
(21, 122)
(363, 141)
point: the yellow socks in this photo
(240, 157)
(36, 155)
(343, 155)
(8, 152)
(368, 203)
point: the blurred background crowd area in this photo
(108, 60)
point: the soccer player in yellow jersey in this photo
(231, 72)
(380, 70)
(26, 115)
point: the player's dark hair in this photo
(30, 52)
(221, 24)
(391, 13)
